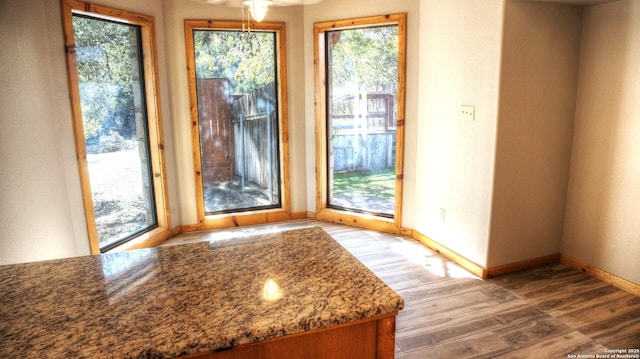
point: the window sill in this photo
(149, 239)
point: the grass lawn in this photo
(367, 183)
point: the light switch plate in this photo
(467, 113)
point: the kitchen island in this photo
(292, 294)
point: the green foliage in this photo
(97, 101)
(107, 54)
(365, 183)
(114, 142)
(365, 57)
(103, 49)
(246, 59)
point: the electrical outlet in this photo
(467, 113)
(442, 214)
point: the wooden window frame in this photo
(234, 219)
(323, 212)
(156, 142)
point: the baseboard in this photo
(299, 215)
(482, 272)
(176, 230)
(293, 216)
(600, 274)
(189, 228)
(451, 255)
(522, 265)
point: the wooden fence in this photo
(256, 133)
(356, 145)
(363, 151)
(363, 132)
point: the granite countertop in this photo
(174, 300)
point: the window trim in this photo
(154, 119)
(323, 211)
(234, 219)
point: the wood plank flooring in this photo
(547, 312)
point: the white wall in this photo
(602, 220)
(460, 42)
(538, 80)
(41, 204)
(40, 198)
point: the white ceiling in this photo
(238, 3)
(577, 2)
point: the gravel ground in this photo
(116, 185)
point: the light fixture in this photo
(258, 8)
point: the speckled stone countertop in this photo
(174, 300)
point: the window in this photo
(237, 94)
(111, 65)
(360, 77)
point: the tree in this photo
(366, 57)
(104, 53)
(246, 59)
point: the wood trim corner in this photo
(522, 265)
(601, 274)
(463, 262)
(153, 238)
(299, 215)
(176, 231)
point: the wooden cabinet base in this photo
(369, 338)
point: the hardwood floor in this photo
(546, 312)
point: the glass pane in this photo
(110, 77)
(238, 118)
(362, 83)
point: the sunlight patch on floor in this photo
(430, 260)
